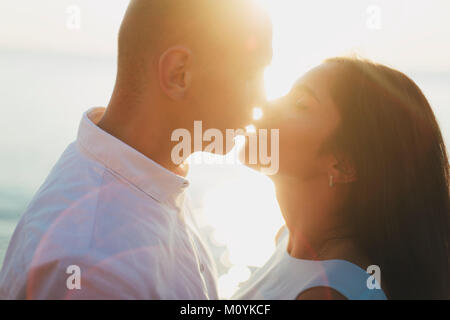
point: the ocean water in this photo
(42, 98)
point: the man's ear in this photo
(343, 170)
(174, 71)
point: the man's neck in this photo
(147, 134)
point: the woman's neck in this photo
(317, 229)
(340, 245)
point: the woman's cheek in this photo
(296, 152)
(291, 155)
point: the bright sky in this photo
(409, 34)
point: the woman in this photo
(363, 181)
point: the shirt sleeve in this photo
(82, 278)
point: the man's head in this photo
(186, 60)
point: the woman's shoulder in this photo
(345, 279)
(321, 293)
(342, 273)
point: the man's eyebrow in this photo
(308, 90)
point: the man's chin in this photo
(244, 159)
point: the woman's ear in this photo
(343, 170)
(175, 72)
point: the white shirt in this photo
(117, 216)
(284, 278)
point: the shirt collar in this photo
(148, 176)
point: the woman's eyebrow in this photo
(308, 90)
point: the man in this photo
(111, 221)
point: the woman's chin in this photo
(250, 159)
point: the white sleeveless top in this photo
(285, 278)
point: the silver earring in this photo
(331, 182)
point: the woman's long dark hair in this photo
(399, 205)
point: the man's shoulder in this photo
(83, 206)
(90, 275)
(101, 221)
